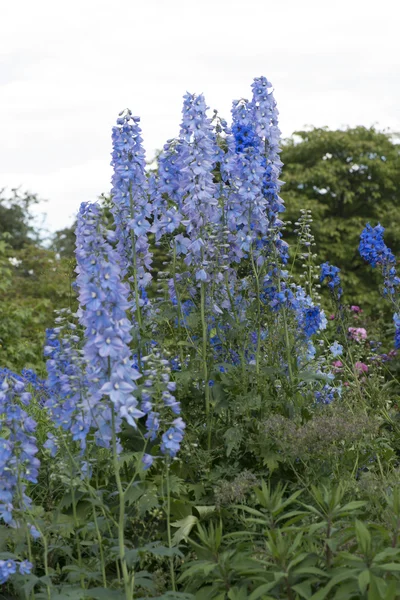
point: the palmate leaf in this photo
(198, 567)
(184, 526)
(233, 439)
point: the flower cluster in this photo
(158, 402)
(18, 448)
(396, 319)
(104, 305)
(331, 274)
(66, 381)
(374, 250)
(357, 334)
(29, 378)
(198, 156)
(10, 567)
(131, 208)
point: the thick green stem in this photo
(204, 357)
(75, 516)
(171, 558)
(257, 278)
(235, 316)
(46, 564)
(178, 299)
(135, 280)
(100, 542)
(287, 338)
(129, 581)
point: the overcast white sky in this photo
(67, 67)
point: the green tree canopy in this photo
(347, 178)
(16, 219)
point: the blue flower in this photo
(331, 273)
(312, 320)
(108, 329)
(130, 207)
(171, 441)
(7, 568)
(25, 567)
(18, 448)
(34, 532)
(396, 319)
(336, 349)
(147, 461)
(374, 250)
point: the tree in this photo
(16, 218)
(347, 178)
(63, 242)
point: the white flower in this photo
(16, 262)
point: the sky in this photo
(68, 67)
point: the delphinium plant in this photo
(173, 393)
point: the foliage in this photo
(63, 242)
(16, 218)
(34, 283)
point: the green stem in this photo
(235, 316)
(287, 338)
(100, 542)
(204, 358)
(171, 558)
(46, 564)
(30, 557)
(128, 581)
(178, 299)
(75, 516)
(257, 278)
(135, 281)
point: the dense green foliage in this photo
(35, 281)
(347, 178)
(16, 219)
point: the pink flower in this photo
(331, 317)
(355, 309)
(337, 365)
(361, 367)
(357, 333)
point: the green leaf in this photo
(352, 506)
(363, 536)
(302, 589)
(342, 576)
(233, 438)
(101, 593)
(184, 526)
(262, 590)
(394, 567)
(363, 580)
